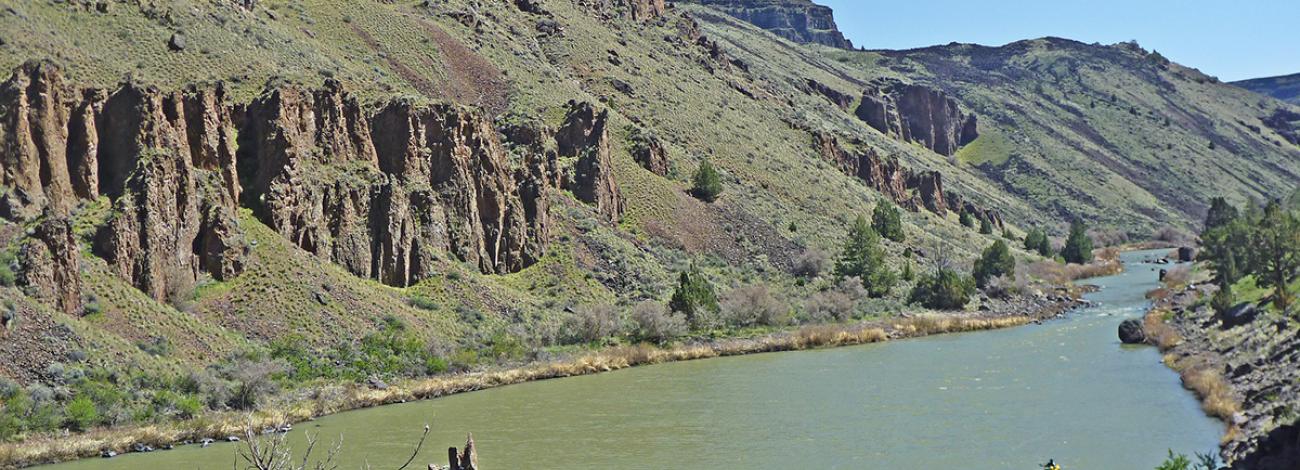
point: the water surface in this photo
(1008, 399)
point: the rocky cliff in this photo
(800, 21)
(916, 113)
(905, 187)
(383, 192)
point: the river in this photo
(1007, 399)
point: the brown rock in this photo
(34, 135)
(584, 136)
(649, 152)
(50, 265)
(917, 113)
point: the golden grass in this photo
(330, 399)
(1158, 332)
(1198, 374)
(1057, 273)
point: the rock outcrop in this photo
(649, 152)
(801, 21)
(50, 265)
(585, 137)
(916, 113)
(383, 192)
(639, 10)
(909, 189)
(139, 147)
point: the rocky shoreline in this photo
(303, 405)
(1256, 354)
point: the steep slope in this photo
(1285, 87)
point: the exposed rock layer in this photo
(800, 21)
(912, 190)
(384, 192)
(920, 114)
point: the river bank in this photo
(1246, 371)
(313, 402)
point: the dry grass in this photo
(1178, 277)
(1158, 332)
(1057, 273)
(330, 399)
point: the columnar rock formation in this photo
(920, 114)
(909, 189)
(585, 136)
(800, 21)
(384, 193)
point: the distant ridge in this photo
(1285, 87)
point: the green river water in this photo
(1007, 399)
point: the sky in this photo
(1230, 39)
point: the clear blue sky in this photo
(1230, 39)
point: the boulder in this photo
(1242, 314)
(1130, 332)
(1186, 254)
(177, 42)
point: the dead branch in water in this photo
(273, 452)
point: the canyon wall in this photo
(383, 192)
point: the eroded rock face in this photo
(138, 146)
(800, 21)
(640, 10)
(584, 136)
(649, 152)
(383, 193)
(915, 113)
(50, 265)
(906, 188)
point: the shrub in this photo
(811, 263)
(986, 227)
(591, 323)
(81, 414)
(995, 261)
(654, 322)
(887, 222)
(423, 303)
(829, 306)
(694, 298)
(946, 289)
(864, 258)
(966, 219)
(179, 287)
(753, 305)
(706, 184)
(1078, 246)
(252, 380)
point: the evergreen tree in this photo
(706, 184)
(1223, 300)
(986, 227)
(965, 219)
(1220, 214)
(1036, 241)
(1277, 252)
(1078, 247)
(863, 257)
(995, 261)
(694, 297)
(888, 222)
(946, 289)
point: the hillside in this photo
(1285, 87)
(197, 185)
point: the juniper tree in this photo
(864, 258)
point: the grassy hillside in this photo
(1285, 87)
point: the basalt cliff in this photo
(381, 191)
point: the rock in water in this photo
(1130, 332)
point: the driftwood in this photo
(465, 460)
